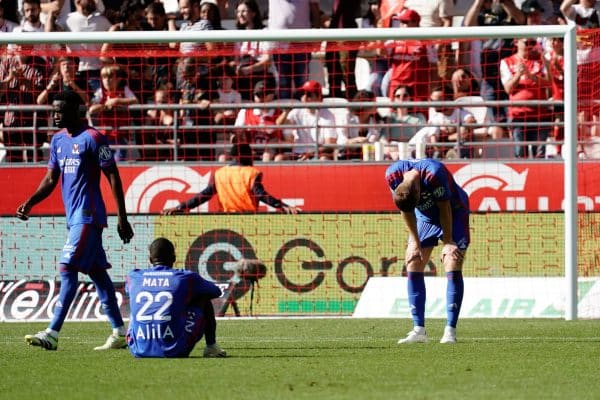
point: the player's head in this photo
(242, 152)
(406, 194)
(66, 109)
(162, 252)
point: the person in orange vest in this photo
(238, 187)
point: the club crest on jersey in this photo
(104, 153)
(75, 149)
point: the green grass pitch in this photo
(317, 359)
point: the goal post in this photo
(567, 32)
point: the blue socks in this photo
(107, 296)
(416, 297)
(68, 289)
(454, 296)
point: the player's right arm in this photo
(46, 187)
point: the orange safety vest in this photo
(234, 188)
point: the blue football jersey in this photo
(80, 160)
(437, 184)
(160, 298)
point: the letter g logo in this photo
(164, 186)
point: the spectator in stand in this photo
(436, 13)
(110, 110)
(446, 126)
(159, 68)
(402, 124)
(31, 17)
(253, 59)
(226, 94)
(193, 89)
(22, 79)
(341, 63)
(555, 65)
(86, 18)
(585, 14)
(7, 21)
(486, 55)
(373, 51)
(163, 134)
(292, 59)
(409, 60)
(201, 16)
(465, 84)
(533, 12)
(316, 126)
(551, 10)
(130, 18)
(264, 119)
(525, 79)
(64, 79)
(362, 127)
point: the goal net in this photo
(172, 105)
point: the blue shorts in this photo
(430, 234)
(83, 250)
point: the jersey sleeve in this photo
(101, 148)
(202, 287)
(53, 160)
(437, 178)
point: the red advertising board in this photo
(493, 186)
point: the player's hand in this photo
(171, 211)
(452, 251)
(125, 231)
(23, 211)
(413, 253)
(290, 209)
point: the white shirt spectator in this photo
(431, 11)
(372, 136)
(95, 22)
(315, 128)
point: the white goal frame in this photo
(567, 32)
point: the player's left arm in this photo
(46, 186)
(123, 227)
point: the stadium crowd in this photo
(254, 92)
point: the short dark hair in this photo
(162, 252)
(242, 152)
(70, 97)
(406, 197)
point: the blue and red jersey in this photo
(161, 299)
(437, 184)
(80, 159)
